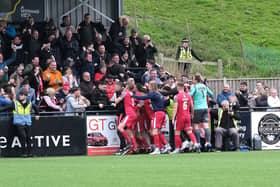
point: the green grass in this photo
(236, 169)
(216, 27)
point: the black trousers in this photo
(24, 134)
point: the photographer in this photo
(227, 117)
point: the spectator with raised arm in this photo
(52, 77)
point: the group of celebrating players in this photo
(144, 111)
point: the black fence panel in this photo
(51, 136)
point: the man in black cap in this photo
(185, 53)
(22, 120)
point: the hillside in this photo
(216, 29)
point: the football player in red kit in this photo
(183, 104)
(157, 102)
(130, 120)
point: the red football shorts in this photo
(130, 121)
(183, 124)
(158, 120)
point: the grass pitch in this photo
(205, 169)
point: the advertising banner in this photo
(102, 137)
(51, 136)
(244, 126)
(267, 126)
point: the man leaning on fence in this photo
(227, 117)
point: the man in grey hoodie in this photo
(72, 104)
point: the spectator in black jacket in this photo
(86, 31)
(242, 95)
(70, 48)
(150, 49)
(99, 96)
(116, 69)
(261, 101)
(34, 45)
(88, 66)
(118, 29)
(87, 86)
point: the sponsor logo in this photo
(269, 129)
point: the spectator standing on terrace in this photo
(100, 75)
(118, 30)
(259, 87)
(103, 56)
(185, 53)
(99, 97)
(224, 95)
(4, 99)
(52, 77)
(22, 120)
(31, 97)
(86, 85)
(50, 102)
(65, 25)
(227, 125)
(73, 104)
(36, 82)
(33, 44)
(261, 101)
(242, 95)
(116, 69)
(153, 77)
(86, 31)
(273, 100)
(16, 78)
(88, 65)
(70, 78)
(4, 64)
(150, 49)
(69, 48)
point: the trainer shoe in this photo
(207, 147)
(176, 151)
(155, 152)
(197, 148)
(166, 149)
(119, 152)
(185, 145)
(191, 146)
(127, 148)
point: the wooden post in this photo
(161, 60)
(220, 69)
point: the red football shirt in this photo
(184, 103)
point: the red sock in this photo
(192, 137)
(134, 144)
(156, 141)
(126, 137)
(162, 139)
(178, 141)
(139, 142)
(145, 143)
(160, 144)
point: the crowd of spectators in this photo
(68, 68)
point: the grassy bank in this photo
(216, 28)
